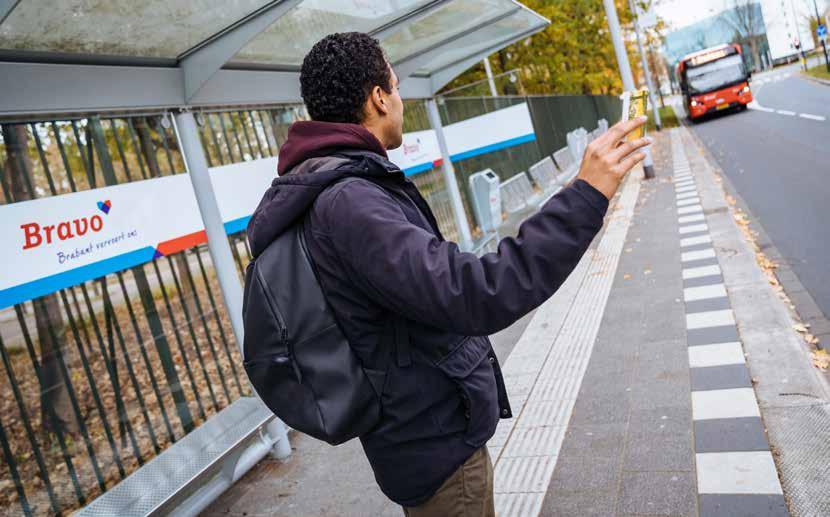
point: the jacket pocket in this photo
(469, 367)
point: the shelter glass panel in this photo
(119, 27)
(288, 39)
(479, 41)
(453, 18)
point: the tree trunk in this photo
(54, 393)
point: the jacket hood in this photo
(313, 139)
(322, 153)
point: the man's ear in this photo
(378, 100)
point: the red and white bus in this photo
(714, 79)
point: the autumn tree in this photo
(574, 55)
(745, 18)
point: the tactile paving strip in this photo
(552, 357)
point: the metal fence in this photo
(553, 117)
(99, 377)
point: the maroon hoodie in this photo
(313, 139)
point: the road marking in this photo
(698, 272)
(702, 320)
(750, 472)
(693, 228)
(689, 209)
(704, 292)
(687, 195)
(786, 112)
(689, 201)
(693, 241)
(812, 117)
(720, 354)
(687, 188)
(689, 256)
(691, 218)
(730, 403)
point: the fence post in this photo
(449, 178)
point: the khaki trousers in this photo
(467, 493)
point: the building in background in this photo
(744, 25)
(788, 23)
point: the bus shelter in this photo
(76, 58)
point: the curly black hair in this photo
(339, 73)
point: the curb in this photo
(825, 82)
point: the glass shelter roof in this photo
(56, 55)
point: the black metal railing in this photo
(99, 377)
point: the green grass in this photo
(667, 117)
(819, 71)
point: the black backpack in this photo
(297, 358)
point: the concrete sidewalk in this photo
(645, 386)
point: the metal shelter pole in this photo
(490, 80)
(625, 68)
(220, 249)
(449, 178)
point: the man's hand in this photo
(608, 159)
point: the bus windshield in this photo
(716, 74)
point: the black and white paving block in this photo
(736, 473)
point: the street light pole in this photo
(625, 68)
(646, 70)
(824, 39)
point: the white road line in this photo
(786, 112)
(693, 228)
(687, 195)
(691, 218)
(687, 188)
(732, 403)
(691, 241)
(719, 354)
(737, 473)
(704, 292)
(699, 272)
(755, 106)
(812, 117)
(689, 209)
(689, 201)
(702, 320)
(689, 256)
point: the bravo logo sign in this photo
(35, 235)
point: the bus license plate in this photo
(722, 106)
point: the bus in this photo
(714, 79)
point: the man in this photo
(380, 258)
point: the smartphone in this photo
(635, 104)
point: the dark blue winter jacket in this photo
(379, 254)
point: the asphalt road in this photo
(777, 156)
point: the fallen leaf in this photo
(800, 327)
(626, 277)
(821, 359)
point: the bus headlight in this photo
(745, 89)
(695, 103)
